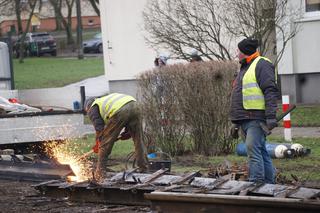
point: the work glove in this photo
(234, 132)
(95, 148)
(125, 135)
(272, 123)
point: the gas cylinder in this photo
(274, 150)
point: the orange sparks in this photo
(63, 152)
(60, 152)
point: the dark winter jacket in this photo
(96, 119)
(265, 74)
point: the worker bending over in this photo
(109, 115)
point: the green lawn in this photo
(306, 116)
(305, 168)
(54, 72)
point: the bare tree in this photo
(261, 20)
(6, 7)
(66, 22)
(95, 6)
(182, 25)
(212, 26)
(28, 8)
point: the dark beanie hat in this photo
(248, 46)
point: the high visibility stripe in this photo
(112, 103)
(250, 85)
(106, 101)
(253, 97)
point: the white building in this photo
(125, 51)
(299, 67)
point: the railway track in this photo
(187, 193)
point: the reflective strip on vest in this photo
(110, 104)
(253, 97)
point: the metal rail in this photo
(187, 193)
(16, 168)
(189, 202)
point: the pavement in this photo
(96, 86)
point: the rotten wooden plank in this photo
(147, 181)
(270, 189)
(179, 183)
(163, 180)
(218, 182)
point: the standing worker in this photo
(253, 107)
(109, 115)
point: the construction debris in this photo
(19, 167)
(145, 189)
(11, 106)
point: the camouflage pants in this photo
(128, 116)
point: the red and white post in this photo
(286, 119)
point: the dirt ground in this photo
(22, 197)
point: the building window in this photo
(90, 22)
(312, 5)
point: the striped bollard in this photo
(286, 119)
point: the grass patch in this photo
(305, 168)
(54, 72)
(304, 116)
(82, 145)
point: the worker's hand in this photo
(125, 135)
(272, 123)
(234, 132)
(95, 148)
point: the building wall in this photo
(49, 24)
(299, 67)
(129, 87)
(47, 18)
(125, 51)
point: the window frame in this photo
(310, 13)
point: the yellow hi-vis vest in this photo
(253, 97)
(110, 104)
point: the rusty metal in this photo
(84, 192)
(23, 168)
(189, 202)
(218, 195)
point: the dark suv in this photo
(37, 44)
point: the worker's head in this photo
(87, 103)
(247, 47)
(161, 60)
(194, 56)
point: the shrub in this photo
(188, 101)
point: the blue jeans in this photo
(260, 163)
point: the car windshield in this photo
(38, 37)
(97, 35)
